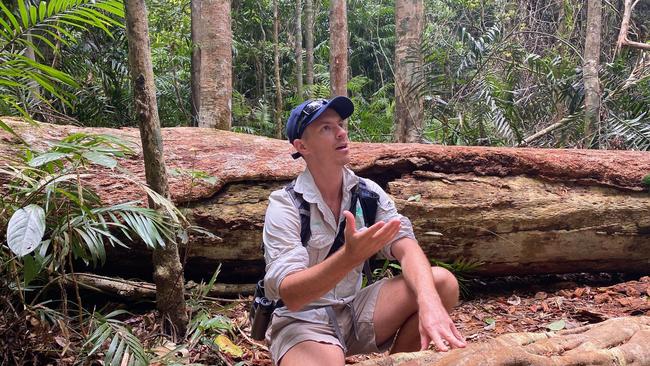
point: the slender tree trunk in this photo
(168, 272)
(409, 109)
(298, 49)
(590, 71)
(276, 66)
(338, 48)
(309, 43)
(196, 60)
(212, 55)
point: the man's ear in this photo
(299, 145)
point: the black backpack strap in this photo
(303, 210)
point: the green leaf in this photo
(558, 325)
(23, 13)
(26, 229)
(46, 158)
(100, 159)
(489, 321)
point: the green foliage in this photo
(26, 82)
(68, 218)
(124, 348)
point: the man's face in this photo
(325, 140)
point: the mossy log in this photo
(618, 341)
(516, 210)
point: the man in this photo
(326, 315)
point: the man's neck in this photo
(329, 182)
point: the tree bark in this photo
(298, 49)
(168, 272)
(195, 72)
(338, 48)
(309, 44)
(590, 72)
(276, 68)
(409, 108)
(212, 63)
(618, 341)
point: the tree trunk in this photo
(338, 48)
(409, 109)
(195, 79)
(168, 272)
(212, 63)
(276, 68)
(590, 72)
(309, 43)
(298, 49)
(618, 341)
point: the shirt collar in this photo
(306, 186)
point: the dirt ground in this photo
(498, 306)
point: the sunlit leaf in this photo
(26, 229)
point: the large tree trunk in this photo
(590, 71)
(276, 68)
(409, 109)
(309, 43)
(212, 63)
(339, 47)
(518, 211)
(298, 48)
(619, 341)
(168, 272)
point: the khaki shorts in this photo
(286, 332)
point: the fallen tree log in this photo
(139, 290)
(516, 210)
(618, 341)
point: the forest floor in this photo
(498, 306)
(490, 308)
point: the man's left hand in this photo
(436, 326)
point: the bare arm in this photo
(305, 286)
(434, 321)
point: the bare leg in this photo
(397, 310)
(310, 353)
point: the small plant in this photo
(646, 182)
(56, 218)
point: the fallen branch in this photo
(623, 40)
(137, 290)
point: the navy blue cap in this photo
(308, 111)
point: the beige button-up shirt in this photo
(285, 254)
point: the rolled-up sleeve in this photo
(386, 211)
(283, 251)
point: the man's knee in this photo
(447, 286)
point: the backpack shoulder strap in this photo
(369, 201)
(303, 209)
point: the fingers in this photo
(440, 345)
(460, 340)
(424, 341)
(350, 223)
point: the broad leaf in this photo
(100, 159)
(46, 158)
(558, 325)
(26, 229)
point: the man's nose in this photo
(341, 132)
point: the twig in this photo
(249, 340)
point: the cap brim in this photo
(342, 105)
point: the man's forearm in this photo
(416, 270)
(300, 288)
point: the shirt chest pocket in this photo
(318, 246)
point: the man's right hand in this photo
(362, 244)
